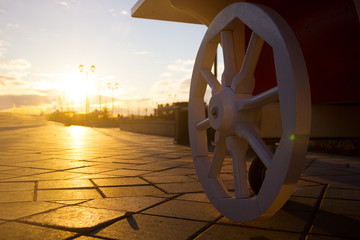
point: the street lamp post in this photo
(113, 86)
(92, 68)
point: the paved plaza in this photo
(76, 182)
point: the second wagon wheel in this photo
(234, 111)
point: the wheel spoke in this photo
(218, 156)
(237, 148)
(244, 81)
(259, 100)
(252, 137)
(203, 125)
(211, 80)
(228, 46)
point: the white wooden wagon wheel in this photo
(233, 111)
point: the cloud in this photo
(12, 74)
(184, 85)
(13, 25)
(19, 64)
(2, 46)
(114, 12)
(174, 82)
(8, 101)
(65, 4)
(141, 52)
(48, 92)
(2, 11)
(166, 74)
(181, 68)
(15, 64)
(171, 90)
(6, 78)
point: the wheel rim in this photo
(234, 112)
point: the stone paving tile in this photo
(322, 237)
(6, 168)
(18, 186)
(304, 204)
(68, 194)
(351, 194)
(96, 176)
(21, 231)
(26, 171)
(146, 227)
(87, 238)
(125, 172)
(338, 217)
(53, 164)
(16, 196)
(217, 231)
(349, 181)
(120, 181)
(178, 171)
(294, 221)
(74, 183)
(338, 160)
(70, 202)
(199, 197)
(5, 176)
(189, 165)
(11, 211)
(168, 179)
(292, 217)
(133, 161)
(181, 187)
(307, 191)
(324, 172)
(108, 166)
(59, 175)
(328, 223)
(128, 204)
(186, 209)
(339, 181)
(305, 183)
(91, 170)
(131, 191)
(156, 166)
(75, 217)
(337, 206)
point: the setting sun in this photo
(74, 87)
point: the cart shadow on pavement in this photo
(339, 171)
(132, 222)
(325, 222)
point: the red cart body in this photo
(329, 36)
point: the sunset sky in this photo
(43, 42)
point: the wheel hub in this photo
(214, 112)
(222, 111)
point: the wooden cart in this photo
(284, 61)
